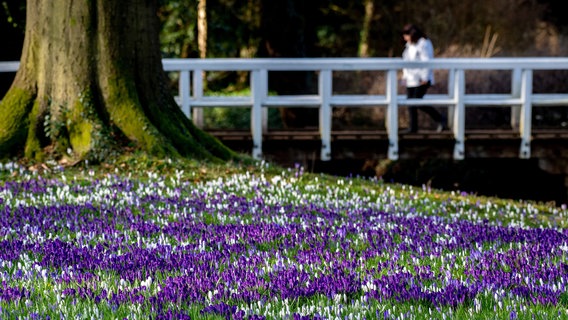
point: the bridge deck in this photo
(313, 134)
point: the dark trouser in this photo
(418, 93)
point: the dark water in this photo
(518, 179)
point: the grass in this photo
(157, 238)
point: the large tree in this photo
(91, 83)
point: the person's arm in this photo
(425, 53)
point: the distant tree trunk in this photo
(286, 33)
(197, 113)
(91, 83)
(366, 29)
(202, 28)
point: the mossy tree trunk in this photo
(91, 83)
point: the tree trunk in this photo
(366, 29)
(202, 28)
(91, 83)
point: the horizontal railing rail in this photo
(521, 98)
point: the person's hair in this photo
(414, 32)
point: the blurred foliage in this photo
(235, 27)
(235, 118)
(232, 27)
(178, 36)
(239, 28)
(333, 28)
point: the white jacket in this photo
(422, 50)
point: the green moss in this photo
(14, 123)
(127, 114)
(80, 126)
(80, 138)
(189, 140)
(212, 144)
(33, 148)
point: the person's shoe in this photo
(408, 130)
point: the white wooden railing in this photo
(521, 98)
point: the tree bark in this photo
(202, 28)
(91, 83)
(366, 29)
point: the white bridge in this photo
(521, 98)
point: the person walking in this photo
(419, 47)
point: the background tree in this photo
(91, 83)
(366, 28)
(202, 28)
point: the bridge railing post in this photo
(263, 95)
(459, 115)
(516, 83)
(451, 88)
(184, 85)
(391, 120)
(526, 114)
(197, 113)
(325, 85)
(259, 80)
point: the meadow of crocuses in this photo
(254, 243)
